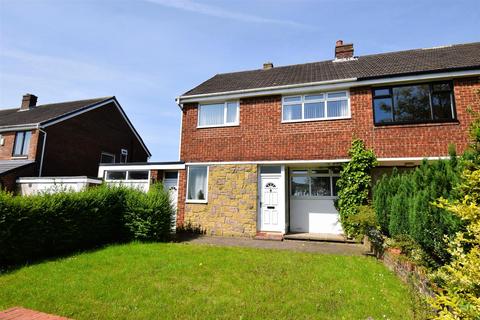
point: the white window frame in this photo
(206, 186)
(310, 174)
(127, 176)
(225, 123)
(107, 154)
(324, 100)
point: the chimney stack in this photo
(267, 65)
(29, 101)
(343, 51)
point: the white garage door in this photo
(312, 196)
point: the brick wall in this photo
(6, 150)
(262, 136)
(232, 202)
(74, 146)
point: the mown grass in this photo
(185, 281)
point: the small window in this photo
(124, 156)
(314, 183)
(219, 114)
(171, 174)
(270, 169)
(22, 143)
(137, 175)
(107, 158)
(197, 183)
(116, 175)
(318, 106)
(418, 103)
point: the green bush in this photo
(49, 225)
(363, 221)
(402, 203)
(354, 183)
(148, 216)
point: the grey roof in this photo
(400, 63)
(45, 112)
(9, 165)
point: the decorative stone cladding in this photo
(232, 202)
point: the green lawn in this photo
(184, 281)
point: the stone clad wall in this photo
(232, 202)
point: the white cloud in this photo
(189, 5)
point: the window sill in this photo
(323, 119)
(219, 126)
(314, 198)
(19, 157)
(410, 125)
(196, 201)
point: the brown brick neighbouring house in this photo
(65, 139)
(262, 147)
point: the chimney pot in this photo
(28, 101)
(267, 65)
(343, 51)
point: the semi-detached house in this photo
(262, 148)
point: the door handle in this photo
(270, 207)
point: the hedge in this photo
(403, 206)
(49, 225)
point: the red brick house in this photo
(262, 148)
(65, 139)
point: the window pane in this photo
(335, 187)
(292, 99)
(321, 187)
(211, 114)
(337, 108)
(441, 86)
(300, 186)
(197, 183)
(270, 169)
(292, 112)
(442, 106)
(381, 92)
(116, 175)
(412, 103)
(320, 171)
(383, 110)
(107, 158)
(171, 175)
(314, 110)
(314, 97)
(17, 149)
(342, 94)
(137, 175)
(26, 142)
(303, 171)
(232, 112)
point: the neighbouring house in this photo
(65, 139)
(262, 148)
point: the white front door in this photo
(270, 206)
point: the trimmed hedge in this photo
(49, 225)
(403, 205)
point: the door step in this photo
(275, 236)
(318, 237)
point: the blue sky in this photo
(147, 52)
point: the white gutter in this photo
(17, 127)
(319, 86)
(43, 151)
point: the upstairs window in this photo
(123, 156)
(106, 157)
(218, 114)
(22, 143)
(319, 106)
(419, 103)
